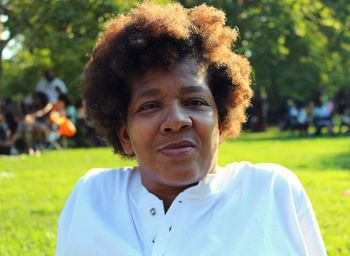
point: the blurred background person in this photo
(52, 86)
(322, 115)
(33, 130)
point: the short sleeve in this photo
(61, 85)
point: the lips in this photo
(178, 148)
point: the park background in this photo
(297, 48)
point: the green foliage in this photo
(297, 47)
(23, 72)
(34, 189)
(55, 34)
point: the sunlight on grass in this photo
(34, 189)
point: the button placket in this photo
(163, 242)
(153, 213)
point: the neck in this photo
(165, 193)
(169, 194)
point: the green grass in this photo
(33, 189)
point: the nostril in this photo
(175, 119)
(175, 126)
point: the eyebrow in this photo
(148, 93)
(185, 90)
(191, 89)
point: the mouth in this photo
(177, 149)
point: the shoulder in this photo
(101, 179)
(263, 177)
(58, 82)
(266, 182)
(100, 183)
(260, 171)
(96, 187)
(100, 173)
(92, 197)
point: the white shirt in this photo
(321, 111)
(243, 209)
(50, 88)
(302, 116)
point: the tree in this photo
(297, 47)
(55, 34)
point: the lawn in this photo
(33, 189)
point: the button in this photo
(154, 240)
(180, 201)
(152, 211)
(170, 228)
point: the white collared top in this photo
(242, 209)
(52, 89)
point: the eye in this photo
(197, 102)
(148, 106)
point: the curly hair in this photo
(152, 35)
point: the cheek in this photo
(210, 136)
(215, 133)
(215, 138)
(209, 129)
(141, 132)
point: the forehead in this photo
(186, 73)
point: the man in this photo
(51, 86)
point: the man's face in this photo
(49, 75)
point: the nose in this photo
(175, 119)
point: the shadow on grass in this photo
(339, 161)
(285, 136)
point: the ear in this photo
(124, 138)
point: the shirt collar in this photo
(212, 185)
